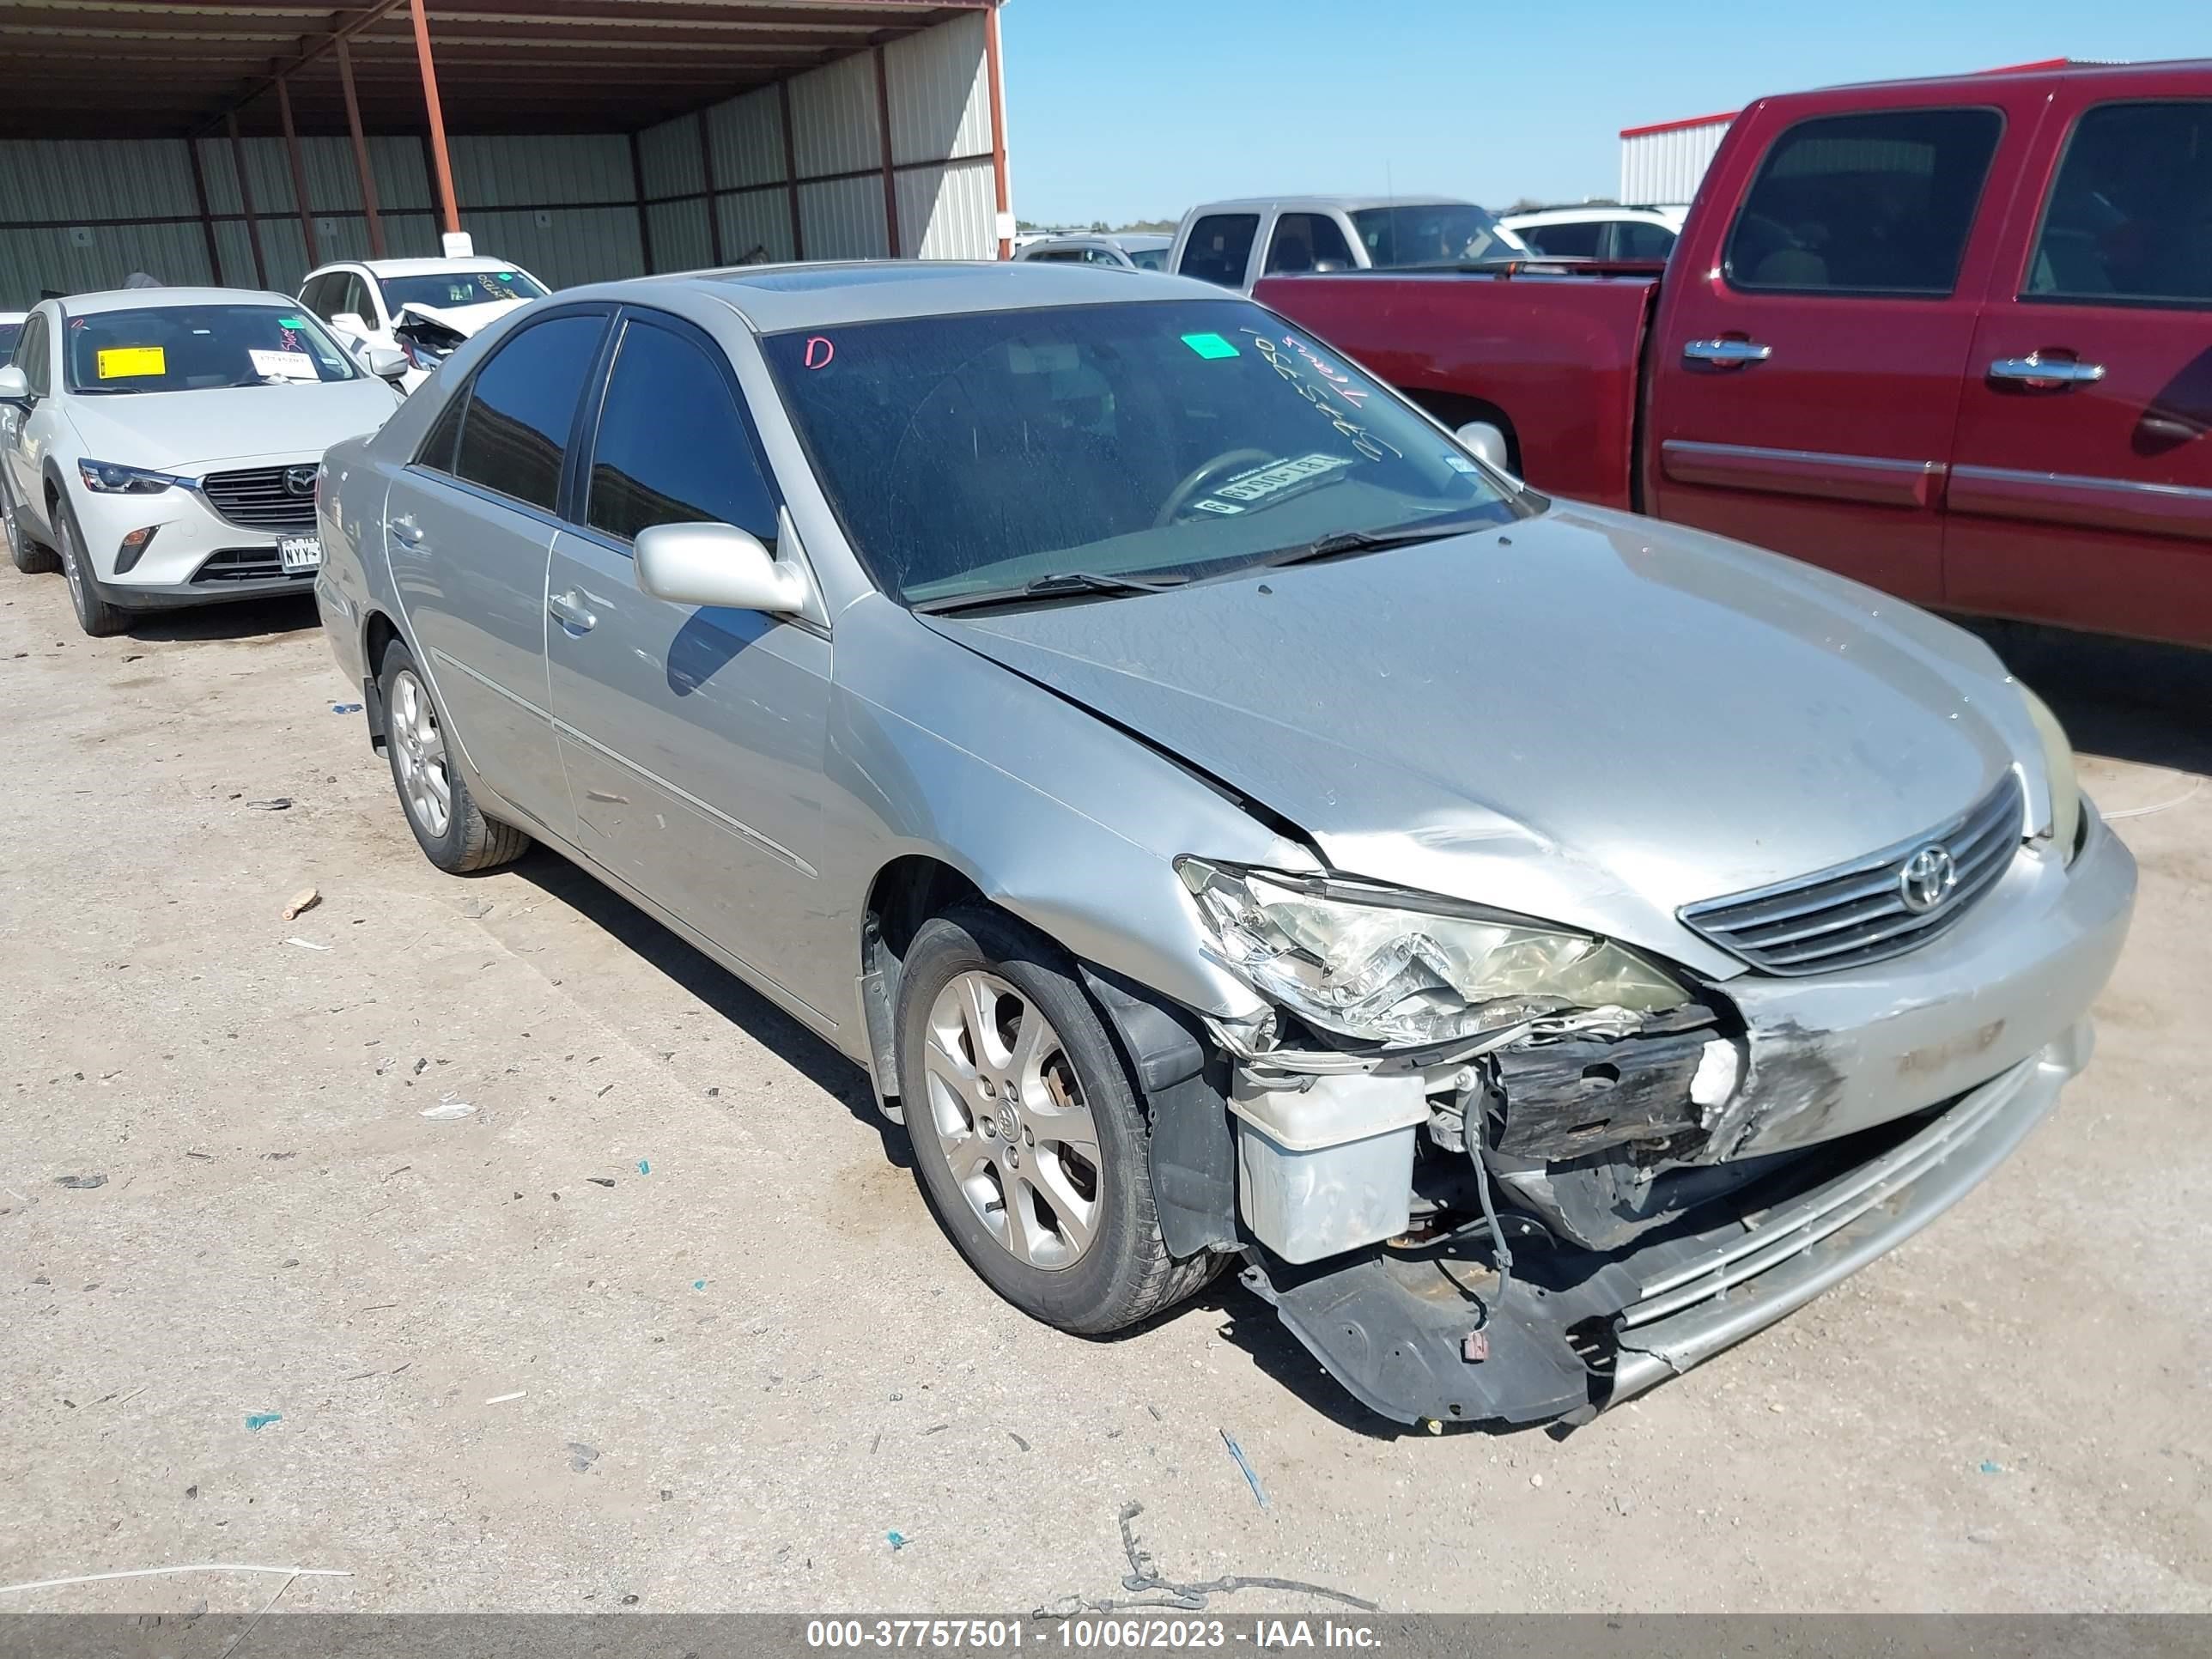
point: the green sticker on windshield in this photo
(291, 322)
(1209, 345)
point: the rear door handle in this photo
(569, 610)
(1730, 353)
(406, 532)
(2036, 370)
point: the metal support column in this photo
(890, 178)
(449, 207)
(361, 153)
(997, 124)
(299, 174)
(245, 199)
(791, 170)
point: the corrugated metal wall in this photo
(1666, 166)
(77, 214)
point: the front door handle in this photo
(569, 610)
(2046, 373)
(406, 532)
(1732, 354)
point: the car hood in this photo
(190, 432)
(462, 319)
(1585, 716)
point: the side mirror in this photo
(14, 388)
(1488, 443)
(715, 564)
(386, 364)
(348, 322)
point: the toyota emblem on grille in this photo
(299, 480)
(1926, 878)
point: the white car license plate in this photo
(299, 552)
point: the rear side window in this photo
(1875, 204)
(673, 447)
(1577, 240)
(521, 406)
(1304, 242)
(2130, 218)
(1637, 239)
(1220, 248)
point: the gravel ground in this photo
(663, 1321)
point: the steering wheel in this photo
(1180, 497)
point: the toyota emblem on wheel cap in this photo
(299, 480)
(1926, 878)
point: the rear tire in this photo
(452, 829)
(94, 613)
(1028, 1137)
(31, 556)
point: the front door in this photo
(2081, 485)
(27, 434)
(1805, 385)
(470, 533)
(692, 736)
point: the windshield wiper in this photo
(1058, 585)
(1366, 541)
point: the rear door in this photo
(470, 528)
(692, 735)
(1805, 374)
(2081, 485)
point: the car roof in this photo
(151, 299)
(1325, 203)
(1121, 238)
(774, 298)
(417, 267)
(1565, 216)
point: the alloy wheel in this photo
(418, 748)
(1008, 1109)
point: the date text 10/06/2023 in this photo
(1111, 1632)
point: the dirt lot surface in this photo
(662, 1321)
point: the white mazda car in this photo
(161, 446)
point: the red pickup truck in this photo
(1953, 338)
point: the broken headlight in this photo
(1402, 969)
(2058, 766)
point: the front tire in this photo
(94, 613)
(1028, 1138)
(449, 826)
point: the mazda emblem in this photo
(299, 480)
(1926, 878)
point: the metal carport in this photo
(245, 141)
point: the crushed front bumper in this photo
(1579, 1332)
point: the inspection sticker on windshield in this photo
(291, 322)
(1272, 480)
(283, 365)
(1460, 464)
(1209, 346)
(127, 362)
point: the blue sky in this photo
(1127, 109)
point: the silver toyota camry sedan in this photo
(1232, 823)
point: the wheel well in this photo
(376, 636)
(907, 892)
(1455, 410)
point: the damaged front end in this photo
(1477, 1157)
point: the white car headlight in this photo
(112, 478)
(2058, 766)
(1372, 963)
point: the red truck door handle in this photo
(2046, 373)
(1731, 354)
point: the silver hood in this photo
(191, 432)
(1586, 716)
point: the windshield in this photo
(1444, 233)
(193, 348)
(458, 288)
(981, 452)
(1147, 258)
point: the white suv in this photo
(161, 446)
(1637, 234)
(421, 307)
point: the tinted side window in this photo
(1636, 238)
(1303, 241)
(442, 447)
(1568, 241)
(32, 355)
(2130, 218)
(311, 295)
(673, 447)
(1220, 248)
(521, 405)
(1875, 204)
(356, 299)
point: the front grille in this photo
(244, 564)
(1857, 913)
(259, 499)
